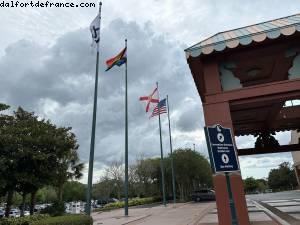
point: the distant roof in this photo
(245, 35)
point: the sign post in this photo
(223, 158)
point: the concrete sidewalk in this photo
(190, 213)
(175, 214)
(258, 215)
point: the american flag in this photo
(162, 108)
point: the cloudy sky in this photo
(47, 65)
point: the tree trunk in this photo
(60, 192)
(10, 194)
(23, 203)
(119, 193)
(32, 202)
(181, 191)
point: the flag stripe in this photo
(118, 60)
(160, 108)
(156, 114)
(161, 111)
(150, 99)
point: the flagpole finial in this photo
(100, 6)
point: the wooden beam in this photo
(275, 90)
(273, 113)
(268, 150)
(288, 118)
(196, 68)
(211, 77)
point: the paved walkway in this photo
(183, 214)
(267, 209)
(173, 214)
(257, 215)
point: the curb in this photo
(203, 213)
(136, 220)
(276, 218)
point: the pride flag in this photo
(118, 60)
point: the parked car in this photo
(14, 213)
(103, 201)
(203, 194)
(2, 213)
(268, 191)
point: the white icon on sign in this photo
(220, 137)
(225, 158)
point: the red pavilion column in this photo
(220, 114)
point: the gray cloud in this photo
(191, 116)
(48, 67)
(265, 161)
(57, 82)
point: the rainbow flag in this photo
(118, 60)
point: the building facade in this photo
(295, 139)
(244, 77)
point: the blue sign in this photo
(221, 149)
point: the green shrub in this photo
(131, 202)
(65, 220)
(22, 220)
(56, 209)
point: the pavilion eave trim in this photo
(250, 34)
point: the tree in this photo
(251, 185)
(283, 178)
(262, 185)
(103, 189)
(34, 153)
(9, 153)
(37, 153)
(192, 171)
(46, 194)
(148, 177)
(74, 191)
(191, 168)
(67, 166)
(115, 172)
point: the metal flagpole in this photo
(171, 150)
(161, 152)
(231, 201)
(92, 147)
(126, 138)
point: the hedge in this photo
(131, 202)
(47, 220)
(56, 209)
(22, 220)
(65, 220)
